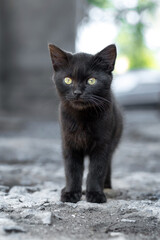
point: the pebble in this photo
(56, 216)
(128, 220)
(13, 229)
(18, 190)
(117, 236)
(46, 218)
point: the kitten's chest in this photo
(78, 134)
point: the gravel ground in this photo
(31, 177)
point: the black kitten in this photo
(91, 122)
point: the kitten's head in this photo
(83, 80)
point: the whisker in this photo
(94, 104)
(97, 104)
(101, 98)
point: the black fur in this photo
(91, 122)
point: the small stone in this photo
(44, 217)
(42, 208)
(28, 213)
(18, 190)
(117, 235)
(128, 220)
(47, 218)
(46, 204)
(13, 229)
(56, 216)
(32, 189)
(114, 234)
(54, 190)
(73, 205)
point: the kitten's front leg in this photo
(73, 161)
(96, 176)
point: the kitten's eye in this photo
(67, 80)
(92, 81)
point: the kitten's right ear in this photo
(59, 58)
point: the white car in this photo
(139, 87)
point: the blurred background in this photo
(26, 28)
(29, 130)
(134, 27)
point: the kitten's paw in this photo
(95, 197)
(70, 196)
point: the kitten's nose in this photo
(77, 93)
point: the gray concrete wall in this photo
(27, 28)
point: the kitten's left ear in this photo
(107, 56)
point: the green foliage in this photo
(138, 54)
(130, 37)
(100, 3)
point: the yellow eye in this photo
(68, 80)
(92, 81)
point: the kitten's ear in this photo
(59, 58)
(107, 57)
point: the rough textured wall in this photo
(27, 28)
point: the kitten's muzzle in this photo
(77, 93)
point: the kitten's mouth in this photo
(79, 103)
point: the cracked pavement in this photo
(32, 175)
